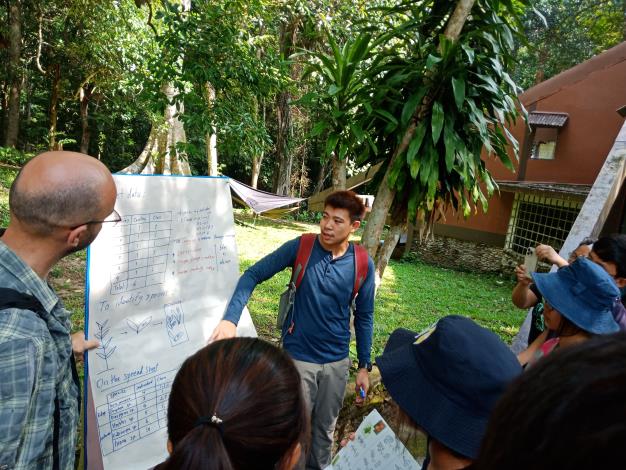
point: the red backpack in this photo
(287, 298)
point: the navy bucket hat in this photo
(448, 379)
(582, 292)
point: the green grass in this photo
(6, 178)
(412, 295)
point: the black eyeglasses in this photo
(113, 218)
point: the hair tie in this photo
(212, 421)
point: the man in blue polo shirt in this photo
(319, 342)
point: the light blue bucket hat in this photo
(582, 292)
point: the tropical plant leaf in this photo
(318, 128)
(416, 143)
(411, 105)
(386, 115)
(458, 88)
(450, 141)
(331, 143)
(469, 52)
(414, 167)
(334, 89)
(357, 131)
(436, 121)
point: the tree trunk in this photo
(391, 240)
(542, 58)
(4, 105)
(85, 95)
(161, 154)
(282, 182)
(410, 235)
(256, 170)
(257, 160)
(54, 101)
(14, 75)
(339, 172)
(321, 178)
(398, 226)
(385, 195)
(282, 176)
(624, 23)
(211, 151)
(303, 179)
(458, 18)
(211, 137)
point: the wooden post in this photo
(601, 198)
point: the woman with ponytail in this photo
(236, 404)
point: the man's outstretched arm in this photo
(364, 329)
(262, 270)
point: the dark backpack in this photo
(287, 298)
(10, 298)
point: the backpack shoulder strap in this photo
(10, 298)
(307, 240)
(361, 259)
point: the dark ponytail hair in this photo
(250, 385)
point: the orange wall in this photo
(590, 94)
(593, 124)
(587, 137)
(496, 220)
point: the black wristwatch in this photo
(365, 365)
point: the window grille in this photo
(537, 219)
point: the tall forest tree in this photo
(14, 75)
(163, 152)
(564, 34)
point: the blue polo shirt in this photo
(322, 303)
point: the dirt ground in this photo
(351, 416)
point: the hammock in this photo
(262, 202)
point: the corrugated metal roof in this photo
(573, 190)
(544, 119)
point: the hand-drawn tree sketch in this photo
(105, 350)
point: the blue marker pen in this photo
(361, 392)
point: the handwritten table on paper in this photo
(133, 411)
(159, 282)
(140, 249)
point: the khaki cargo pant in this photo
(324, 386)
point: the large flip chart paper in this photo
(158, 283)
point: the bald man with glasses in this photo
(58, 203)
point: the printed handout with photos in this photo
(375, 447)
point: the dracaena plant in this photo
(432, 93)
